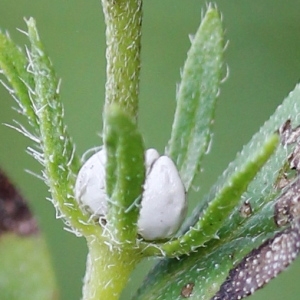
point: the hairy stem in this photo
(123, 20)
(109, 266)
(108, 270)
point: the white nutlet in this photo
(163, 204)
(90, 185)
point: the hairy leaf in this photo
(58, 151)
(219, 209)
(13, 64)
(125, 173)
(260, 215)
(196, 97)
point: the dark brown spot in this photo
(288, 134)
(246, 209)
(291, 168)
(282, 180)
(231, 256)
(294, 158)
(187, 290)
(287, 207)
(284, 131)
(15, 215)
(261, 265)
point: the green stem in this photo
(123, 20)
(108, 270)
(109, 266)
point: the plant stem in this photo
(108, 270)
(123, 20)
(109, 266)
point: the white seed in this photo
(90, 185)
(163, 205)
(151, 156)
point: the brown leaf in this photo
(273, 256)
(15, 215)
(261, 265)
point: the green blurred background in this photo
(264, 62)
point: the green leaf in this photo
(204, 270)
(125, 173)
(219, 209)
(25, 270)
(13, 64)
(196, 98)
(35, 88)
(208, 267)
(58, 151)
(266, 185)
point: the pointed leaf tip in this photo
(196, 98)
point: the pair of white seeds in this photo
(163, 204)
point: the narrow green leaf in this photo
(219, 209)
(125, 173)
(196, 98)
(197, 276)
(266, 185)
(59, 158)
(209, 267)
(13, 64)
(224, 271)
